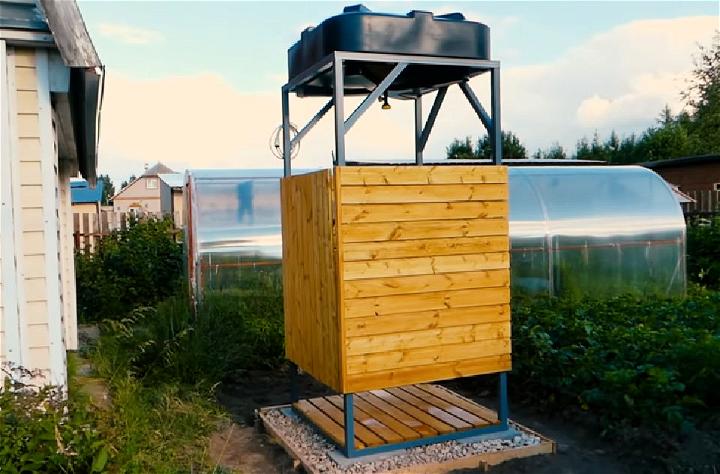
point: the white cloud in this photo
(620, 80)
(130, 34)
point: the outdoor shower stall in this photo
(399, 274)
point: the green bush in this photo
(234, 330)
(43, 431)
(135, 267)
(639, 361)
(703, 252)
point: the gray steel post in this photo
(496, 134)
(418, 130)
(349, 425)
(339, 102)
(287, 147)
(503, 404)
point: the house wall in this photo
(178, 207)
(84, 207)
(33, 321)
(692, 177)
(137, 196)
(166, 201)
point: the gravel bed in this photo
(316, 449)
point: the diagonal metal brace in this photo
(313, 121)
(477, 106)
(431, 118)
(374, 95)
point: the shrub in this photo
(234, 330)
(42, 431)
(641, 361)
(135, 267)
(703, 252)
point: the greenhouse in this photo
(575, 230)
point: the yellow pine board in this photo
(454, 410)
(430, 409)
(478, 410)
(428, 356)
(429, 373)
(424, 247)
(423, 193)
(412, 211)
(312, 332)
(424, 283)
(325, 423)
(395, 424)
(412, 410)
(399, 415)
(425, 265)
(382, 305)
(374, 175)
(369, 421)
(365, 436)
(382, 231)
(441, 318)
(410, 339)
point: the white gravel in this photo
(316, 449)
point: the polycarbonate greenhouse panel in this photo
(584, 230)
(595, 231)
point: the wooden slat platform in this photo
(397, 414)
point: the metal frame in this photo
(491, 122)
(336, 62)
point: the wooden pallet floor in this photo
(397, 414)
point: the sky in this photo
(197, 84)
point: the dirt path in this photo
(242, 448)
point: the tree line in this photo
(693, 131)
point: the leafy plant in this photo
(137, 266)
(41, 430)
(630, 360)
(703, 259)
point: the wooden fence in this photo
(707, 203)
(89, 228)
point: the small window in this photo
(151, 183)
(716, 186)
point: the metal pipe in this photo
(287, 151)
(496, 137)
(339, 101)
(349, 425)
(503, 404)
(477, 106)
(374, 95)
(433, 115)
(313, 121)
(418, 131)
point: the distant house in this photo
(176, 182)
(146, 194)
(51, 82)
(85, 199)
(696, 176)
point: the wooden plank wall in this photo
(425, 282)
(312, 320)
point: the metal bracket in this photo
(439, 98)
(374, 95)
(313, 121)
(477, 106)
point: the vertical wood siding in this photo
(312, 318)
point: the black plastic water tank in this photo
(420, 33)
